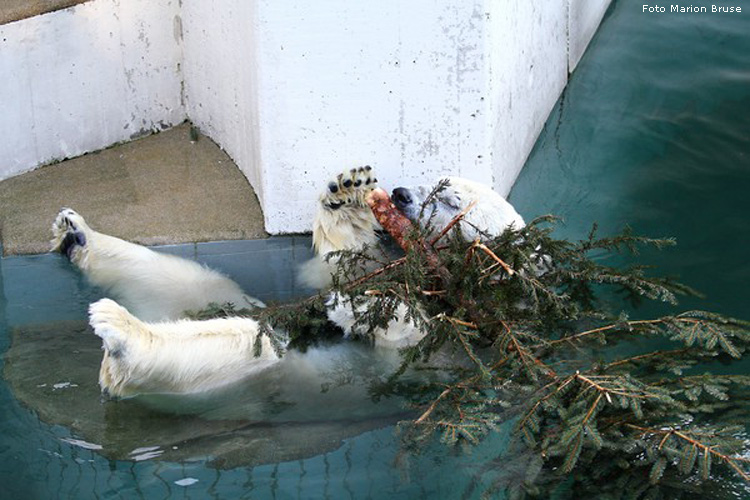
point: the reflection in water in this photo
(304, 405)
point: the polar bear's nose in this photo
(401, 197)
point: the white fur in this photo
(155, 286)
(191, 356)
(400, 332)
(491, 214)
(174, 356)
(349, 227)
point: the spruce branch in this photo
(448, 227)
(518, 327)
(709, 443)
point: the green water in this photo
(653, 131)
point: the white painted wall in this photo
(585, 17)
(296, 91)
(220, 67)
(83, 78)
(528, 68)
(417, 89)
(393, 84)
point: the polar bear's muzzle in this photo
(404, 200)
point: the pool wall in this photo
(295, 90)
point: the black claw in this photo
(358, 183)
(367, 182)
(333, 187)
(368, 168)
(347, 183)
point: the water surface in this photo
(652, 131)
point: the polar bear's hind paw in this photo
(349, 188)
(67, 232)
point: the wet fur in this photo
(144, 354)
(174, 356)
(153, 285)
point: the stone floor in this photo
(161, 189)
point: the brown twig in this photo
(453, 222)
(600, 330)
(478, 244)
(432, 407)
(376, 272)
(645, 356)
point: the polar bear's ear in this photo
(449, 197)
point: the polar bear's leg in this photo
(116, 327)
(153, 285)
(175, 356)
(343, 221)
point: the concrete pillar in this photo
(295, 90)
(418, 89)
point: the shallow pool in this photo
(652, 131)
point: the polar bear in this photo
(345, 222)
(150, 349)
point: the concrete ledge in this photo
(161, 189)
(15, 10)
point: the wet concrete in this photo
(15, 10)
(161, 189)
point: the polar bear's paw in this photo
(119, 330)
(343, 222)
(68, 232)
(349, 189)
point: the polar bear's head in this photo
(490, 215)
(415, 201)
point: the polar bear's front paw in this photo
(68, 232)
(349, 188)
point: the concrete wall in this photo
(296, 91)
(418, 89)
(584, 18)
(220, 66)
(393, 84)
(81, 79)
(527, 59)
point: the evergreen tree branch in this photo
(453, 222)
(706, 448)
